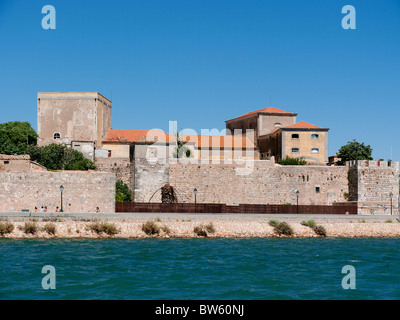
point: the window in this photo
(317, 189)
(278, 124)
(295, 150)
(314, 150)
(295, 136)
(6, 162)
(315, 136)
(57, 135)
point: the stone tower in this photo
(73, 117)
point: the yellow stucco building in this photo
(277, 134)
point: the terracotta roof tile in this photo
(117, 135)
(200, 141)
(302, 125)
(265, 110)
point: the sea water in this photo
(227, 269)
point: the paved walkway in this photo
(123, 215)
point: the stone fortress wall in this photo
(83, 191)
(369, 183)
(265, 184)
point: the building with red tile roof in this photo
(278, 134)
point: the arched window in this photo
(295, 136)
(295, 150)
(57, 135)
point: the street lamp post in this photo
(61, 189)
(297, 196)
(391, 200)
(195, 196)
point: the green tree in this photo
(16, 136)
(122, 192)
(60, 157)
(354, 150)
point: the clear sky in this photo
(202, 62)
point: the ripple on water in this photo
(200, 268)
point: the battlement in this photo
(358, 164)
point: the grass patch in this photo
(104, 227)
(320, 230)
(389, 221)
(6, 228)
(166, 229)
(50, 228)
(283, 228)
(30, 227)
(273, 223)
(309, 223)
(204, 230)
(151, 228)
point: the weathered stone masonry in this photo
(84, 191)
(369, 183)
(266, 184)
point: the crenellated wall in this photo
(371, 183)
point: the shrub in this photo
(105, 227)
(151, 228)
(6, 227)
(292, 162)
(165, 229)
(273, 223)
(109, 228)
(389, 221)
(320, 230)
(309, 223)
(50, 228)
(200, 231)
(204, 230)
(29, 227)
(283, 228)
(59, 157)
(210, 228)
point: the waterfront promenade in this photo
(181, 225)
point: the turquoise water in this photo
(200, 268)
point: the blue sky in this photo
(201, 62)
